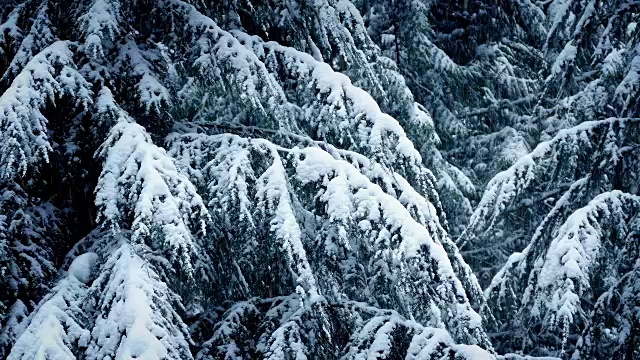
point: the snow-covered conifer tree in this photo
(239, 182)
(553, 235)
(290, 179)
(469, 63)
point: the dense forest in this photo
(319, 179)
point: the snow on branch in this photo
(566, 273)
(378, 337)
(508, 275)
(332, 108)
(23, 128)
(546, 157)
(272, 194)
(397, 225)
(287, 330)
(369, 199)
(343, 106)
(561, 270)
(221, 60)
(10, 32)
(228, 332)
(629, 87)
(55, 328)
(142, 63)
(397, 236)
(141, 188)
(289, 324)
(38, 38)
(100, 24)
(138, 318)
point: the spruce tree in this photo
(562, 218)
(233, 187)
(331, 179)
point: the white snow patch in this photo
(82, 267)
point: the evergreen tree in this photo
(301, 180)
(470, 63)
(248, 189)
(561, 219)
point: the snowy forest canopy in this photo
(319, 179)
